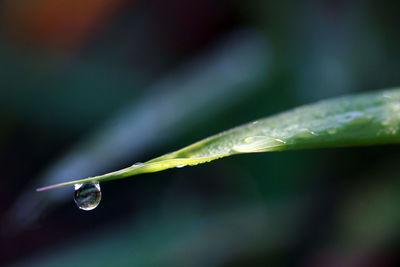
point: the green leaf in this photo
(365, 119)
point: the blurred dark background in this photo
(88, 87)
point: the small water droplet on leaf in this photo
(87, 196)
(332, 131)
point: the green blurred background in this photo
(88, 87)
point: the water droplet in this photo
(180, 166)
(332, 131)
(352, 117)
(258, 144)
(87, 196)
(387, 94)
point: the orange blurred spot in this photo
(60, 24)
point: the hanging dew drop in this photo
(87, 196)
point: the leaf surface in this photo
(364, 119)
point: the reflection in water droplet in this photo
(87, 196)
(180, 166)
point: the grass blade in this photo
(365, 119)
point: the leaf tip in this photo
(46, 188)
(42, 189)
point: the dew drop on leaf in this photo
(87, 196)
